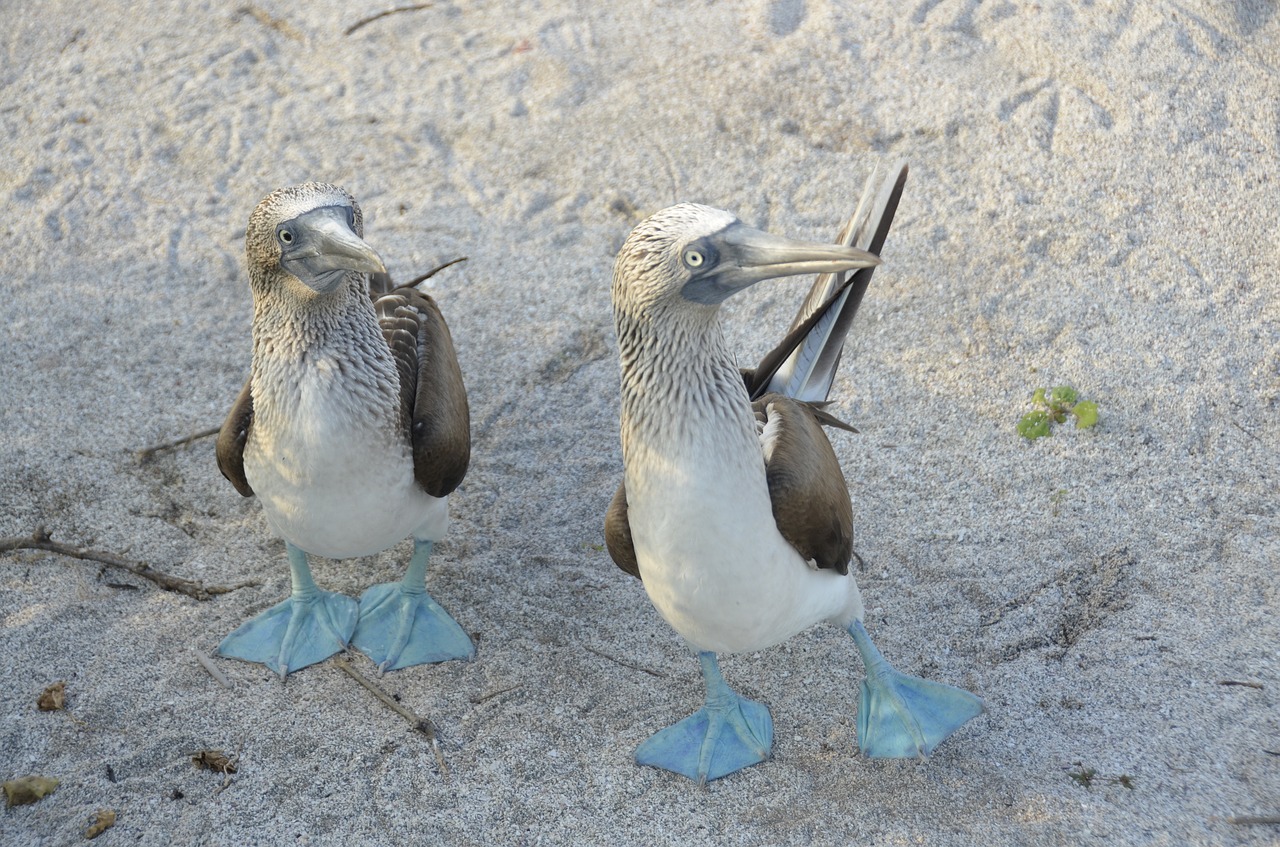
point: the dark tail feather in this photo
(804, 365)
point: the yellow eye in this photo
(693, 258)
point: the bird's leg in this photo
(901, 716)
(727, 734)
(400, 625)
(308, 627)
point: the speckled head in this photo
(690, 254)
(310, 234)
(661, 254)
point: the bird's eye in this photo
(351, 217)
(286, 237)
(694, 258)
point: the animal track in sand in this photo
(1061, 609)
(784, 16)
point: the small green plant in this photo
(1052, 406)
(1083, 777)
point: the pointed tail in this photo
(804, 365)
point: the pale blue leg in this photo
(699, 746)
(307, 628)
(902, 716)
(400, 625)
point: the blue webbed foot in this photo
(308, 627)
(901, 716)
(401, 625)
(398, 629)
(728, 734)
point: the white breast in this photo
(330, 467)
(711, 557)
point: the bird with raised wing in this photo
(733, 510)
(352, 430)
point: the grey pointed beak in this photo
(750, 255)
(324, 248)
(746, 256)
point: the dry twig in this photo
(486, 697)
(147, 452)
(1252, 820)
(1252, 435)
(366, 21)
(423, 725)
(40, 540)
(1241, 683)
(272, 22)
(604, 655)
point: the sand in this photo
(1092, 202)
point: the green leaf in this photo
(1034, 424)
(1086, 413)
(1063, 394)
(1038, 397)
(1083, 777)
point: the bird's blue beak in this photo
(747, 256)
(320, 247)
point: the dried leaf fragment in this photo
(53, 697)
(28, 789)
(104, 820)
(214, 760)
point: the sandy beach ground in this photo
(1093, 201)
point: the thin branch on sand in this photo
(423, 725)
(615, 659)
(147, 452)
(366, 21)
(270, 22)
(484, 698)
(40, 540)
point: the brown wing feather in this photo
(617, 533)
(433, 398)
(810, 499)
(232, 438)
(400, 323)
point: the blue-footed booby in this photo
(352, 430)
(733, 509)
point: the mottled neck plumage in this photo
(678, 378)
(339, 329)
(290, 321)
